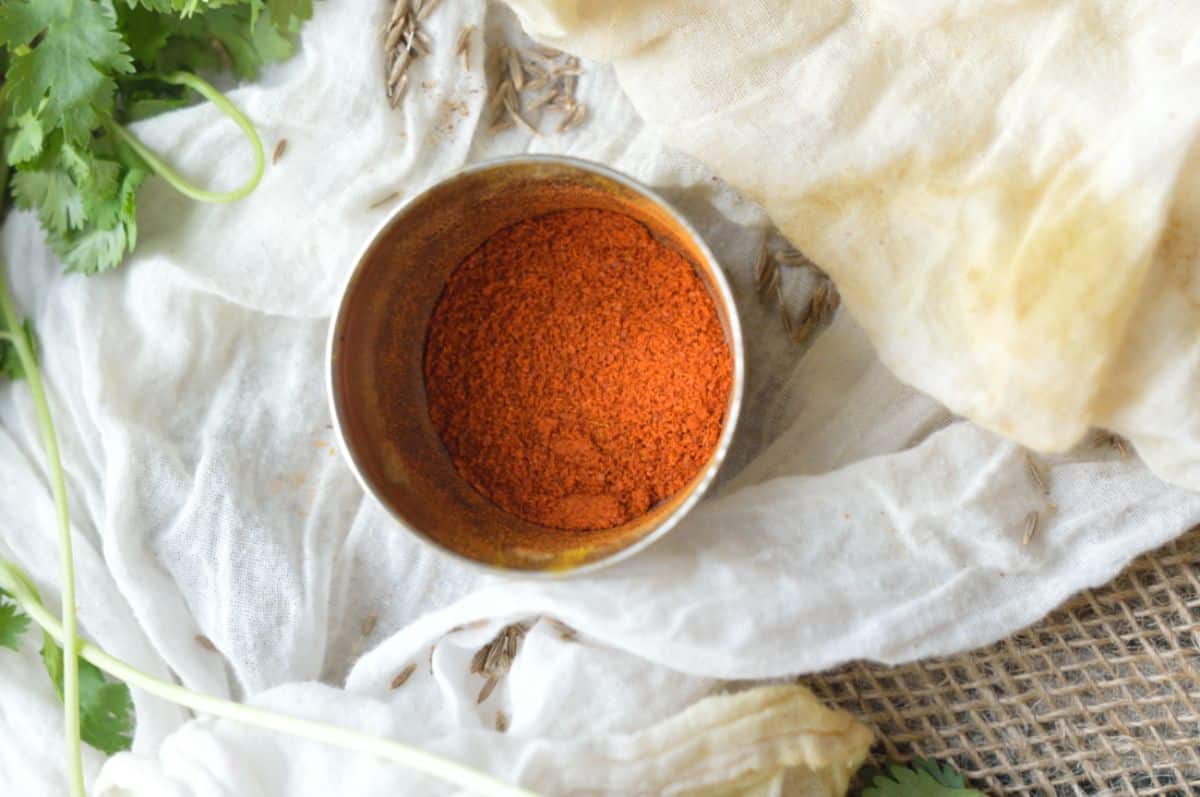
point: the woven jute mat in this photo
(1101, 697)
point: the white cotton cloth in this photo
(1006, 194)
(856, 517)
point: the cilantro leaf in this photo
(53, 194)
(942, 773)
(219, 39)
(25, 142)
(920, 778)
(105, 707)
(112, 230)
(64, 74)
(13, 623)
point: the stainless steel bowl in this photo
(386, 434)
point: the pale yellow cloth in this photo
(988, 182)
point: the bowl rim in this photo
(721, 287)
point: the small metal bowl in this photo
(380, 327)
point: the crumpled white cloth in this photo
(856, 517)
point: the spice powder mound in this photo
(576, 370)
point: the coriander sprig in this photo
(921, 777)
(16, 584)
(18, 337)
(106, 706)
(73, 73)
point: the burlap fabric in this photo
(1100, 698)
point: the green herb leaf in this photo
(105, 707)
(53, 194)
(63, 71)
(920, 778)
(25, 143)
(13, 623)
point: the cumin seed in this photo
(383, 200)
(399, 11)
(515, 71)
(426, 9)
(397, 91)
(368, 625)
(487, 689)
(1035, 473)
(493, 662)
(423, 42)
(516, 117)
(760, 266)
(280, 148)
(206, 643)
(1031, 527)
(573, 119)
(394, 34)
(402, 677)
(479, 658)
(501, 721)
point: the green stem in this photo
(58, 487)
(17, 585)
(178, 181)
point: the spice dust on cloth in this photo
(576, 369)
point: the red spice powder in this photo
(576, 370)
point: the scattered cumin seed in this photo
(206, 643)
(788, 326)
(770, 279)
(398, 68)
(383, 200)
(510, 642)
(503, 122)
(423, 42)
(396, 92)
(399, 12)
(402, 677)
(487, 689)
(573, 119)
(492, 662)
(791, 258)
(1035, 473)
(280, 148)
(516, 72)
(501, 721)
(520, 120)
(368, 625)
(464, 39)
(394, 34)
(760, 266)
(425, 10)
(1118, 442)
(1031, 527)
(545, 98)
(479, 658)
(537, 84)
(533, 67)
(826, 301)
(497, 99)
(463, 46)
(547, 51)
(805, 330)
